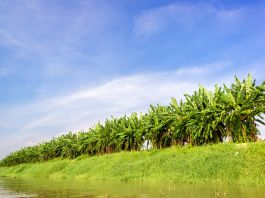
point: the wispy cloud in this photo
(52, 36)
(182, 15)
(49, 47)
(5, 71)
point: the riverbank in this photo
(239, 164)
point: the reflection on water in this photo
(48, 188)
(11, 194)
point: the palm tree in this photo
(245, 104)
(204, 117)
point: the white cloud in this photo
(181, 15)
(52, 37)
(4, 71)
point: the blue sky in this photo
(64, 65)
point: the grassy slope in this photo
(222, 163)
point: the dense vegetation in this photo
(224, 163)
(205, 117)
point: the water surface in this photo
(47, 188)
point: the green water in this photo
(48, 188)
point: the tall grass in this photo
(228, 163)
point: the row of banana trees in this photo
(205, 117)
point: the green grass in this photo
(240, 164)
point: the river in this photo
(46, 188)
